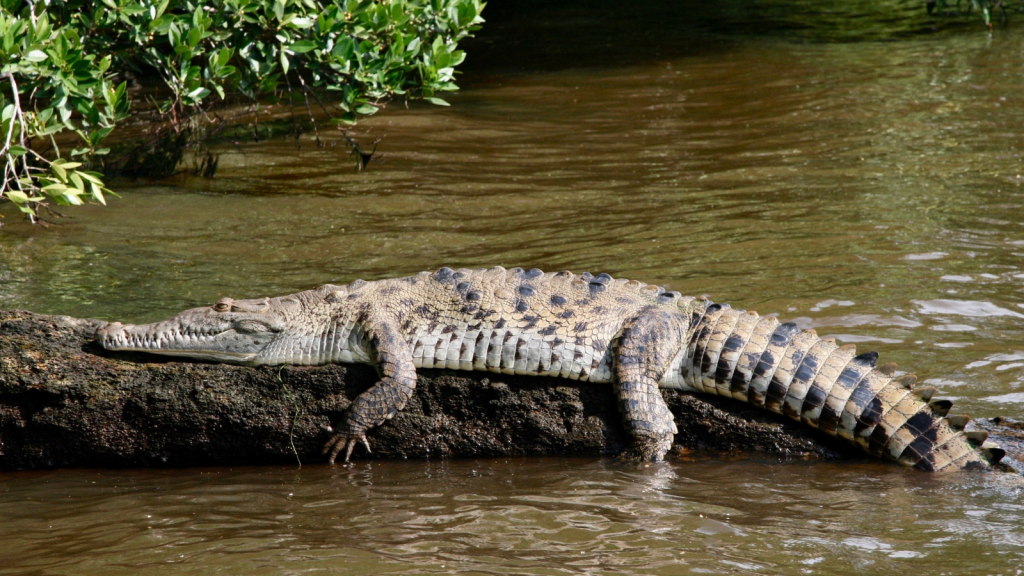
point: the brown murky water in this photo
(871, 188)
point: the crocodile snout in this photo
(108, 330)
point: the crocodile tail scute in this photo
(793, 372)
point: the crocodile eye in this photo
(223, 306)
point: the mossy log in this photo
(64, 401)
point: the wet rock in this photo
(64, 401)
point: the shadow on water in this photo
(542, 36)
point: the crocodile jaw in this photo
(133, 338)
(199, 333)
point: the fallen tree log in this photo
(64, 401)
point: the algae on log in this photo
(64, 401)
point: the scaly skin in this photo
(594, 328)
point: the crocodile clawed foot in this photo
(346, 441)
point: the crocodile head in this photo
(235, 331)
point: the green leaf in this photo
(437, 101)
(36, 56)
(366, 109)
(302, 46)
(77, 181)
(16, 196)
(16, 150)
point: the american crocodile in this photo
(635, 336)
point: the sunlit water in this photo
(870, 188)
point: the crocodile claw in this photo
(346, 442)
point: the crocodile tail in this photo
(793, 372)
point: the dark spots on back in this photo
(600, 345)
(598, 310)
(596, 287)
(602, 278)
(499, 324)
(548, 330)
(775, 394)
(923, 445)
(458, 275)
(940, 407)
(522, 306)
(815, 398)
(828, 420)
(868, 358)
(534, 272)
(531, 321)
(861, 397)
(469, 309)
(427, 311)
(473, 296)
(557, 341)
(481, 314)
(558, 300)
(448, 329)
(762, 368)
(462, 286)
(739, 383)
(567, 314)
(586, 276)
(444, 275)
(580, 340)
(580, 327)
(920, 423)
(809, 364)
(670, 295)
(784, 333)
(876, 445)
(526, 290)
(927, 463)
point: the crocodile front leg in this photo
(385, 398)
(646, 348)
